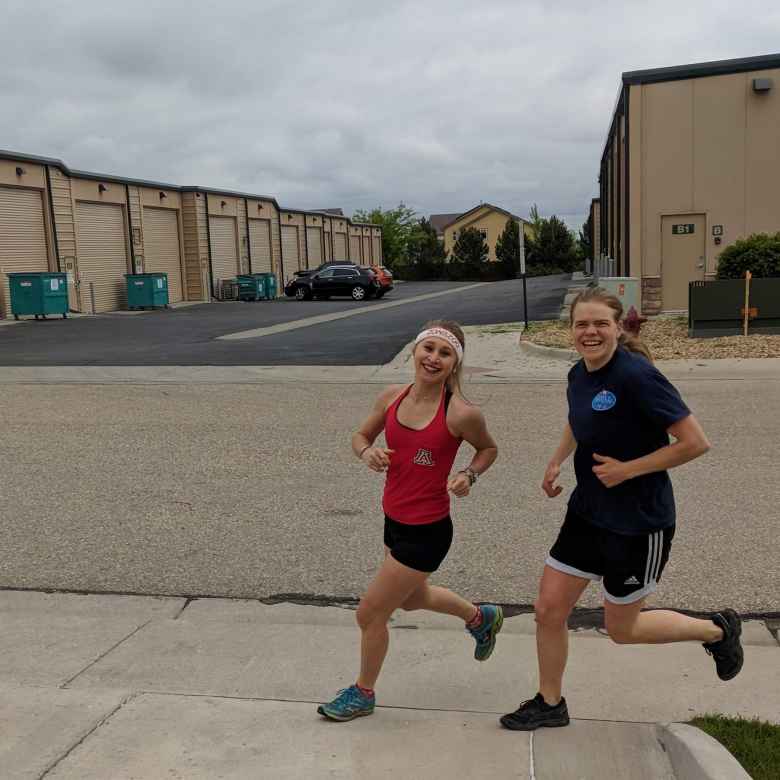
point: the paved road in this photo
(187, 336)
(239, 490)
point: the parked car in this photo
(291, 286)
(332, 280)
(385, 278)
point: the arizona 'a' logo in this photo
(424, 458)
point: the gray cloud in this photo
(439, 104)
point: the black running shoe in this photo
(727, 652)
(536, 712)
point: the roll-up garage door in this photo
(224, 252)
(290, 253)
(367, 249)
(314, 240)
(354, 249)
(102, 256)
(377, 250)
(339, 246)
(163, 254)
(260, 245)
(22, 238)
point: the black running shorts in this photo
(629, 566)
(421, 547)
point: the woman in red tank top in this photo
(424, 425)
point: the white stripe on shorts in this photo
(654, 545)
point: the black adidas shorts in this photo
(422, 547)
(628, 566)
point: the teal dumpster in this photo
(269, 286)
(39, 294)
(250, 287)
(147, 291)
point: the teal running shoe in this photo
(350, 703)
(485, 633)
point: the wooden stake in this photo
(748, 277)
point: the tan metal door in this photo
(22, 238)
(290, 253)
(354, 249)
(102, 256)
(326, 242)
(260, 245)
(682, 257)
(340, 246)
(224, 250)
(163, 254)
(314, 239)
(367, 250)
(377, 250)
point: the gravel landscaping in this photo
(667, 339)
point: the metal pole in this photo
(521, 250)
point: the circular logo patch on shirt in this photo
(603, 401)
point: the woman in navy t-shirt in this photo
(621, 516)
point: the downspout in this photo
(306, 241)
(628, 185)
(53, 220)
(130, 228)
(248, 238)
(208, 237)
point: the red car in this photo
(385, 279)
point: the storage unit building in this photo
(690, 164)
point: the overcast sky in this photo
(441, 105)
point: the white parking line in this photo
(316, 320)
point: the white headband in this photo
(442, 333)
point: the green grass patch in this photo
(754, 743)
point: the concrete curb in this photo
(556, 353)
(695, 755)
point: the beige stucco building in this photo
(97, 228)
(691, 163)
(489, 220)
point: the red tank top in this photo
(416, 483)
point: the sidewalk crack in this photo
(104, 654)
(57, 761)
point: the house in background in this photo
(438, 222)
(691, 163)
(487, 219)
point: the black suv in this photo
(351, 280)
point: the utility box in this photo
(39, 294)
(626, 288)
(147, 291)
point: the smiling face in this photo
(434, 361)
(595, 332)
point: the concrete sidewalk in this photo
(142, 687)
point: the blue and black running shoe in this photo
(485, 633)
(350, 703)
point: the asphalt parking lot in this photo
(190, 335)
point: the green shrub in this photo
(759, 254)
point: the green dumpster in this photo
(250, 287)
(270, 285)
(147, 291)
(39, 294)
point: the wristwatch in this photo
(471, 474)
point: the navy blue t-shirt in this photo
(622, 410)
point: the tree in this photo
(470, 251)
(397, 225)
(508, 249)
(552, 247)
(424, 249)
(586, 238)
